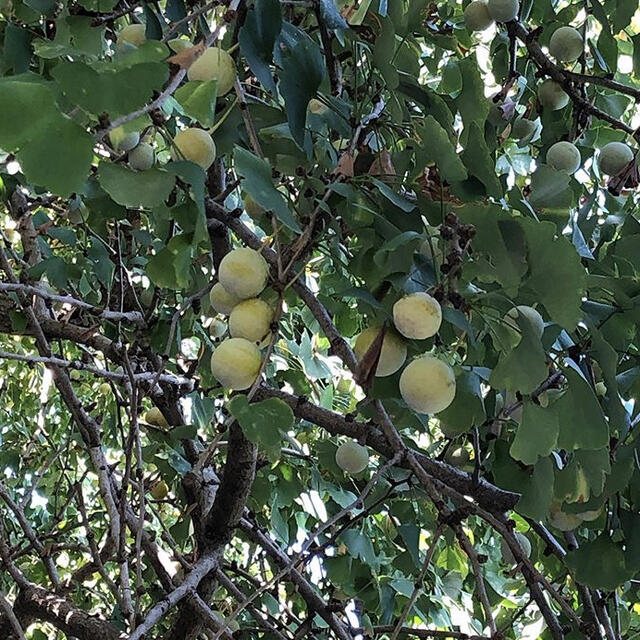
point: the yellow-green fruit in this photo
(251, 319)
(75, 375)
(217, 328)
(552, 96)
(141, 157)
(179, 44)
(123, 141)
(235, 363)
(352, 457)
(392, 355)
(154, 417)
(104, 389)
(564, 156)
(133, 35)
(428, 385)
(317, 106)
(221, 300)
(535, 319)
(195, 145)
(417, 316)
(523, 128)
(253, 209)
(503, 10)
(566, 44)
(244, 273)
(477, 16)
(601, 389)
(507, 554)
(160, 490)
(458, 456)
(214, 64)
(614, 157)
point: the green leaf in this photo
(523, 368)
(467, 408)
(537, 433)
(171, 267)
(599, 564)
(198, 99)
(302, 73)
(582, 422)
(384, 53)
(258, 37)
(472, 103)
(550, 191)
(258, 183)
(480, 162)
(17, 47)
(263, 422)
(436, 148)
(135, 188)
(110, 91)
(554, 259)
(30, 121)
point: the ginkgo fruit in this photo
(141, 157)
(214, 64)
(104, 389)
(133, 35)
(251, 319)
(244, 273)
(417, 316)
(123, 141)
(155, 417)
(511, 318)
(160, 490)
(393, 352)
(614, 157)
(221, 300)
(477, 16)
(507, 554)
(428, 385)
(566, 44)
(552, 96)
(253, 209)
(564, 156)
(352, 457)
(195, 145)
(503, 10)
(235, 363)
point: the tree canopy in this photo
(319, 319)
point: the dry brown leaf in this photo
(345, 165)
(185, 58)
(382, 165)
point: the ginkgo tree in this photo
(319, 319)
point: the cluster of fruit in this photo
(193, 144)
(566, 45)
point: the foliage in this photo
(366, 151)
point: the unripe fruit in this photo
(243, 273)
(214, 64)
(104, 389)
(566, 44)
(511, 318)
(601, 389)
(75, 375)
(154, 417)
(133, 35)
(251, 319)
(507, 554)
(552, 96)
(352, 457)
(564, 156)
(503, 10)
(123, 141)
(253, 209)
(458, 456)
(195, 145)
(221, 300)
(428, 385)
(217, 328)
(141, 157)
(523, 128)
(392, 355)
(614, 157)
(477, 16)
(160, 490)
(235, 363)
(317, 107)
(417, 316)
